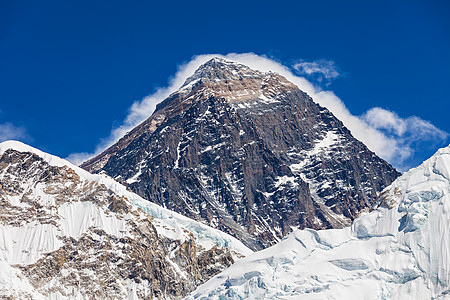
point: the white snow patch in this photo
(284, 180)
(134, 178)
(331, 138)
(26, 244)
(78, 217)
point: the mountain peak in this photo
(219, 78)
(249, 153)
(218, 61)
(233, 81)
(218, 69)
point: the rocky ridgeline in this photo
(249, 153)
(65, 233)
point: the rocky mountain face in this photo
(248, 153)
(65, 233)
(401, 250)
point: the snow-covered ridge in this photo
(401, 250)
(205, 235)
(51, 159)
(68, 234)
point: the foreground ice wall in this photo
(401, 250)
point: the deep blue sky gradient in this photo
(69, 70)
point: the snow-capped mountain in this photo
(401, 250)
(249, 153)
(65, 233)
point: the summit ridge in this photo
(221, 69)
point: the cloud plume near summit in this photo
(322, 70)
(384, 132)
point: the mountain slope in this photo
(248, 153)
(399, 251)
(65, 233)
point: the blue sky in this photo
(69, 71)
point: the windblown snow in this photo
(401, 250)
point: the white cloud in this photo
(413, 128)
(10, 132)
(384, 119)
(382, 131)
(406, 134)
(320, 70)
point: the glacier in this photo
(400, 250)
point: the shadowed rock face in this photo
(249, 153)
